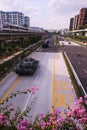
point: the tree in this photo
(85, 26)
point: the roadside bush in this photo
(80, 38)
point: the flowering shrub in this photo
(74, 119)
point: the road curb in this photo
(76, 76)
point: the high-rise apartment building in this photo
(14, 18)
(82, 18)
(71, 24)
(75, 22)
(79, 20)
(27, 21)
(3, 17)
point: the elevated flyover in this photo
(16, 35)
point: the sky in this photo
(48, 14)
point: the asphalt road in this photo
(52, 47)
(53, 83)
(52, 80)
(42, 78)
(50, 60)
(78, 58)
(79, 62)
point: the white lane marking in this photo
(30, 95)
(28, 100)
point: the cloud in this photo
(46, 13)
(65, 7)
(60, 11)
(19, 5)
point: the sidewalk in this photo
(64, 93)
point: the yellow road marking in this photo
(62, 85)
(9, 91)
(61, 100)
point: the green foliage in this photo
(57, 40)
(85, 26)
(77, 114)
(80, 38)
(7, 66)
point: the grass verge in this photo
(57, 40)
(78, 42)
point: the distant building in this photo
(36, 29)
(27, 21)
(79, 20)
(63, 32)
(3, 18)
(71, 24)
(14, 18)
(75, 22)
(82, 18)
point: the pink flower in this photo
(22, 128)
(85, 96)
(56, 112)
(48, 123)
(30, 129)
(80, 121)
(41, 115)
(3, 119)
(34, 89)
(28, 90)
(86, 102)
(11, 108)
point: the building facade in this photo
(71, 24)
(63, 32)
(27, 21)
(82, 18)
(79, 20)
(75, 22)
(14, 18)
(3, 18)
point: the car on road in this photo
(45, 45)
(27, 67)
(69, 42)
(79, 55)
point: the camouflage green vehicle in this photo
(27, 67)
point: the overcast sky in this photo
(49, 14)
